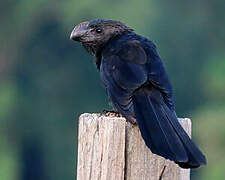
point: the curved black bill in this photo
(79, 31)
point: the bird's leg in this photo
(161, 174)
(112, 113)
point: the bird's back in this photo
(157, 75)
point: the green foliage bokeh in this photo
(47, 81)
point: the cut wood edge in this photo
(111, 148)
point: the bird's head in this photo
(98, 32)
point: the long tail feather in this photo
(162, 132)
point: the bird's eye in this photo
(98, 30)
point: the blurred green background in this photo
(47, 81)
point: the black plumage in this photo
(138, 87)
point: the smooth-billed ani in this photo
(138, 87)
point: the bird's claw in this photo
(112, 113)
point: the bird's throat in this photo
(95, 51)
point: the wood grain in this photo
(109, 148)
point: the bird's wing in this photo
(131, 66)
(123, 72)
(158, 77)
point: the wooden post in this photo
(109, 148)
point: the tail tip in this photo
(187, 165)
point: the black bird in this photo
(138, 87)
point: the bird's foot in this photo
(131, 119)
(112, 113)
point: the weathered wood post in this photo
(109, 148)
